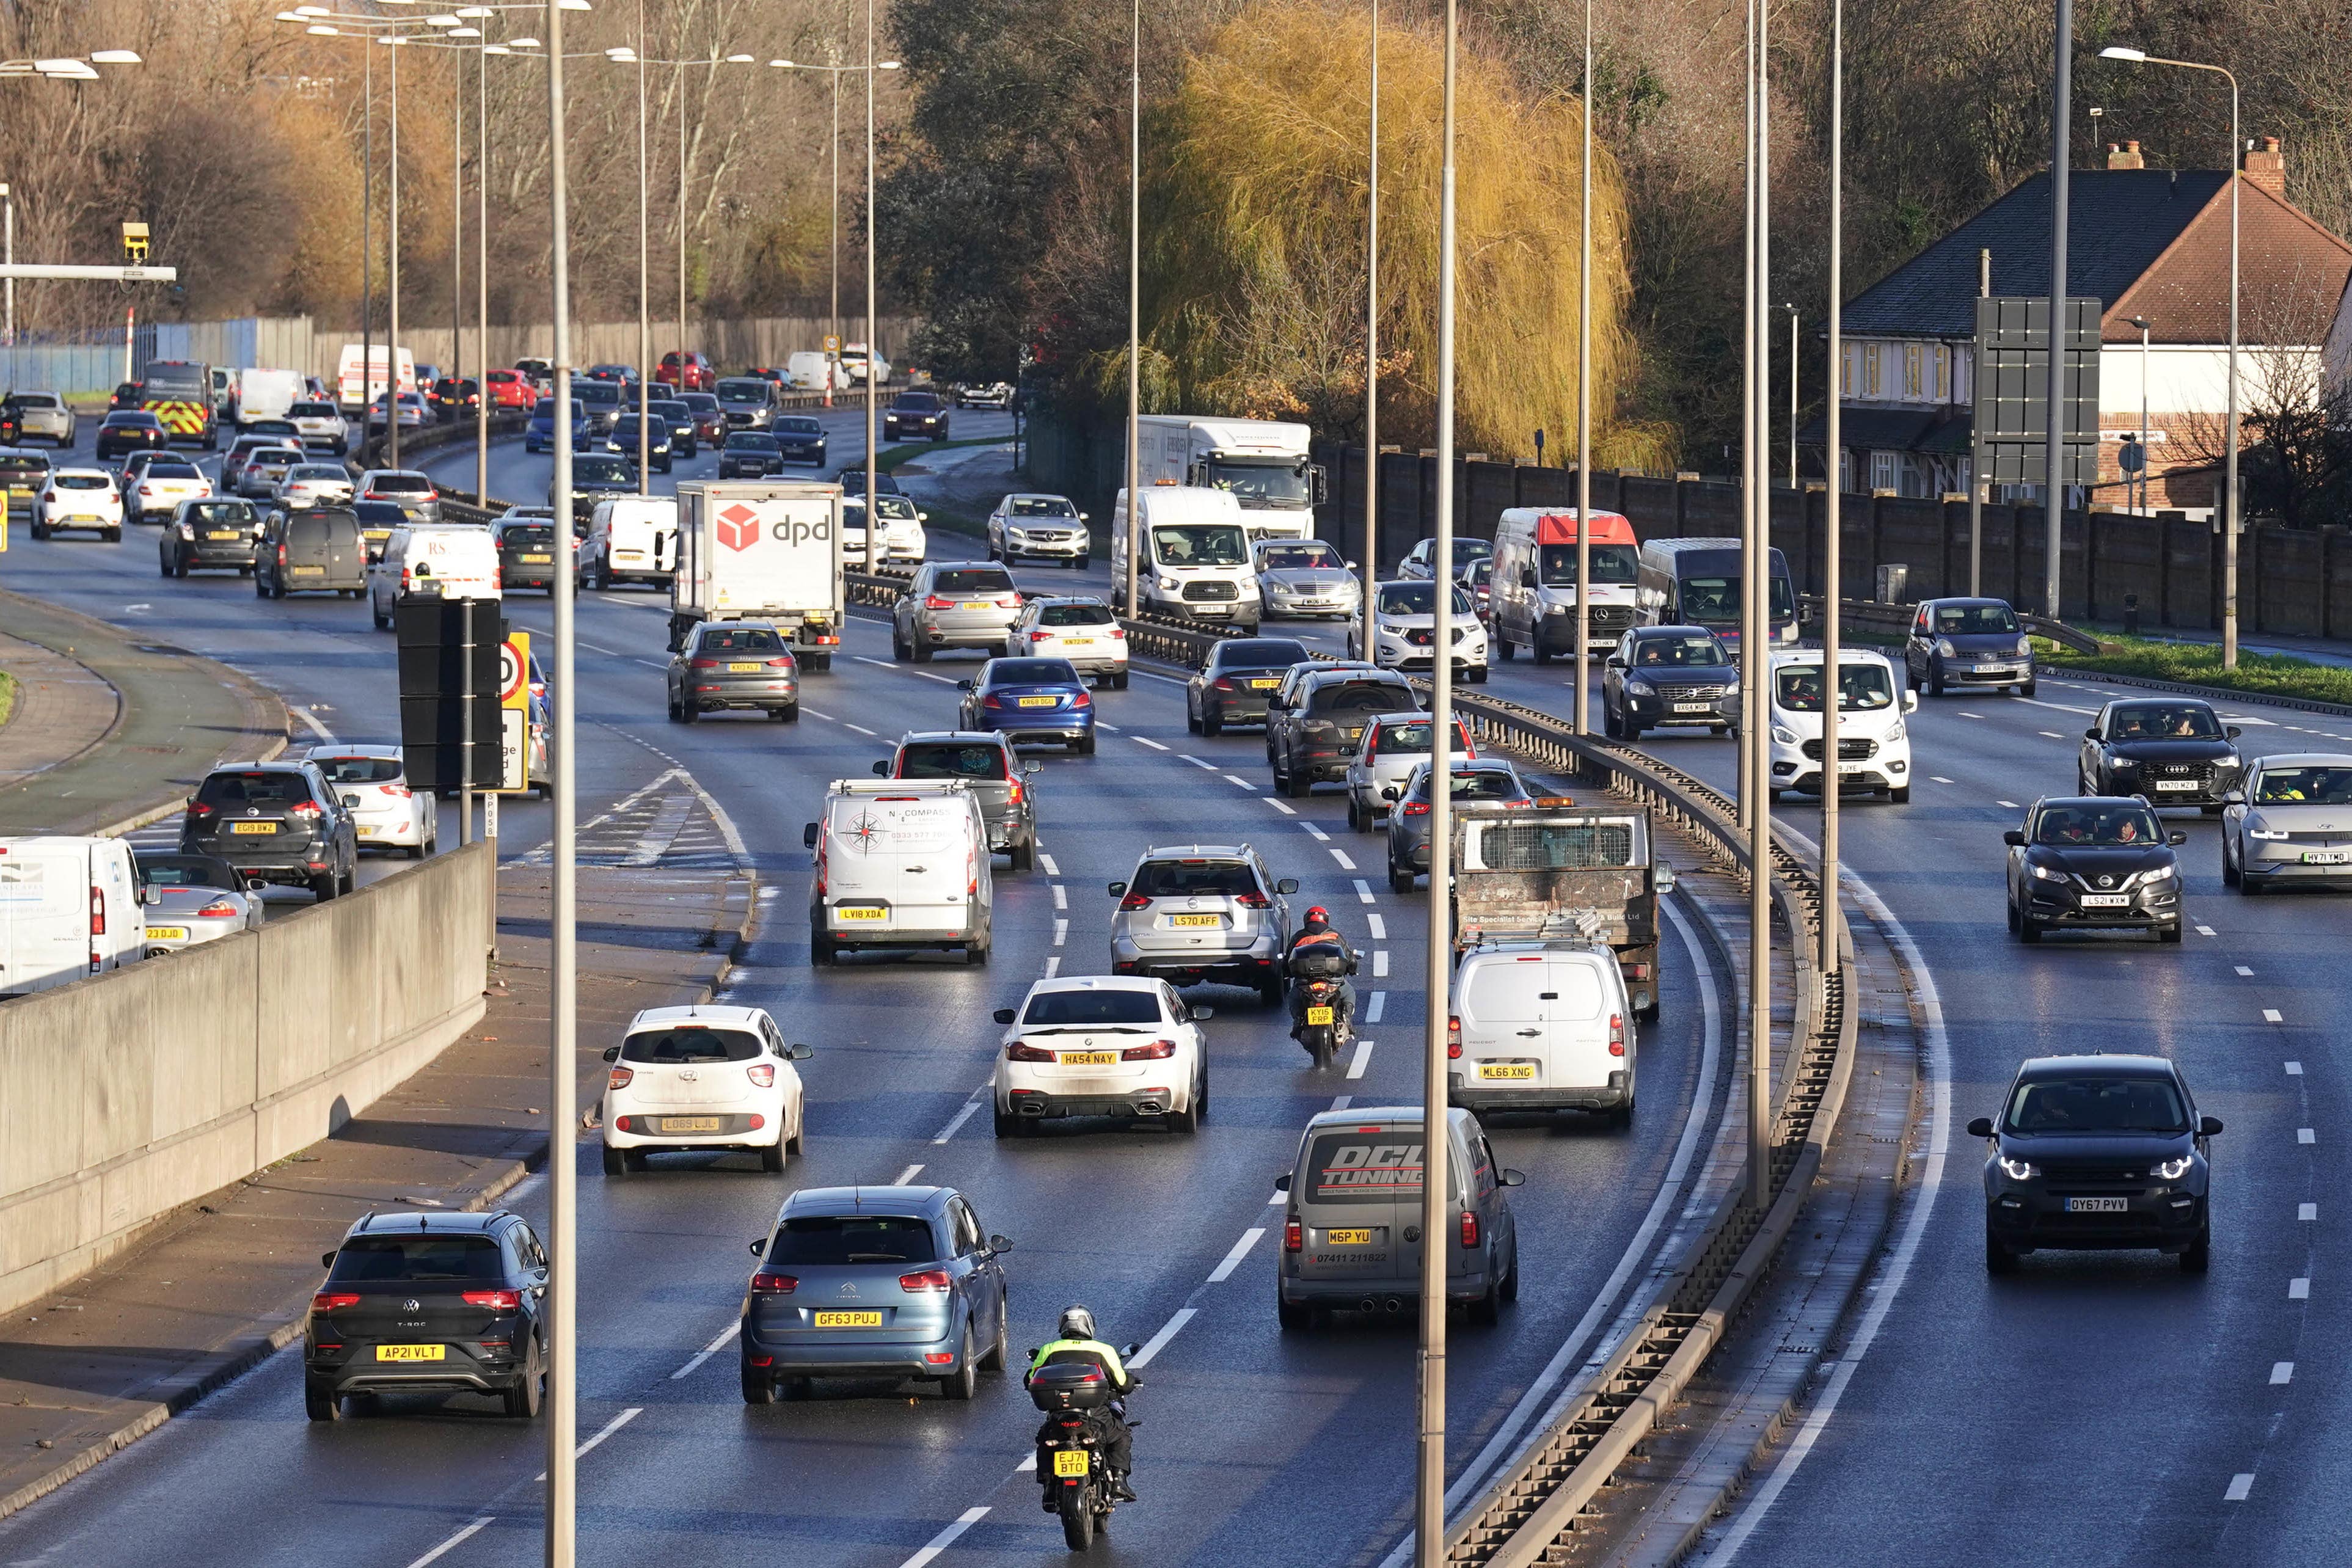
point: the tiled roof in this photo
(2291, 272)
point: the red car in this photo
(511, 389)
(697, 374)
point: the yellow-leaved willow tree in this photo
(1253, 224)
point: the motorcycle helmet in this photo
(1077, 1323)
(1319, 912)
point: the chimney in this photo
(2126, 156)
(2266, 166)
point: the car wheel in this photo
(820, 948)
(2010, 905)
(1118, 681)
(787, 714)
(1610, 725)
(1295, 1317)
(1400, 881)
(2231, 877)
(1024, 855)
(1998, 1260)
(1900, 794)
(1192, 720)
(615, 1165)
(1355, 814)
(1478, 674)
(1213, 720)
(758, 1386)
(960, 1384)
(1502, 649)
(771, 1158)
(688, 713)
(1007, 1125)
(1536, 648)
(1000, 1354)
(2029, 930)
(1487, 1310)
(320, 1403)
(1297, 786)
(2168, 933)
(1086, 747)
(523, 1399)
(2197, 1256)
(1630, 731)
(323, 888)
(919, 649)
(1184, 1124)
(1935, 678)
(2026, 690)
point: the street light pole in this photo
(1793, 347)
(832, 358)
(1755, 622)
(482, 278)
(1582, 710)
(873, 349)
(645, 280)
(2141, 322)
(457, 224)
(367, 237)
(2061, 124)
(681, 232)
(392, 229)
(1134, 605)
(1429, 1490)
(1371, 348)
(1833, 551)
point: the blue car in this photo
(1030, 699)
(801, 438)
(539, 435)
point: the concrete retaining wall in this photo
(126, 1096)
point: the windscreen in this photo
(1611, 563)
(1092, 1007)
(1200, 544)
(23, 464)
(918, 403)
(796, 426)
(1074, 615)
(700, 402)
(1478, 784)
(1364, 1167)
(751, 440)
(1362, 696)
(36, 399)
(739, 640)
(941, 759)
(1031, 673)
(602, 470)
(527, 535)
(1678, 652)
(1042, 507)
(973, 580)
(313, 410)
(167, 379)
(1862, 688)
(1974, 620)
(2316, 786)
(1297, 558)
(894, 509)
(1269, 482)
(222, 514)
(253, 790)
(470, 1259)
(2163, 721)
(1555, 846)
(2095, 1106)
(186, 870)
(1270, 654)
(818, 1239)
(1420, 598)
(1715, 601)
(595, 391)
(319, 472)
(742, 390)
(669, 409)
(2114, 826)
(358, 769)
(687, 1043)
(1178, 878)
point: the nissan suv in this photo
(435, 1302)
(1313, 725)
(2093, 862)
(1200, 912)
(276, 822)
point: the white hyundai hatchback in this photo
(1124, 1046)
(701, 1078)
(388, 812)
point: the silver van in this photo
(1541, 1026)
(1351, 1234)
(900, 863)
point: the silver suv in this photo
(952, 605)
(1199, 913)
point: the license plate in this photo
(1072, 1461)
(167, 934)
(1195, 919)
(1076, 641)
(82, 517)
(743, 669)
(409, 1352)
(2176, 784)
(1360, 1238)
(2105, 899)
(216, 534)
(368, 832)
(1357, 733)
(689, 1123)
(1693, 707)
(846, 1320)
(977, 604)
(854, 911)
(2327, 857)
(1506, 1069)
(1319, 1015)
(310, 572)
(1039, 701)
(1089, 1059)
(2099, 1205)
(1265, 685)
(253, 827)
(537, 560)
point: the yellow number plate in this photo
(368, 832)
(852, 912)
(743, 669)
(1039, 701)
(167, 934)
(1089, 1059)
(1195, 920)
(689, 1123)
(1077, 641)
(537, 560)
(229, 534)
(1264, 685)
(408, 1352)
(1349, 1237)
(1072, 1461)
(976, 604)
(310, 572)
(253, 827)
(1319, 1015)
(1506, 1069)
(846, 1320)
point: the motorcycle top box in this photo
(1318, 962)
(1072, 1387)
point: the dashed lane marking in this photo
(2306, 1211)
(947, 1538)
(2239, 1485)
(2307, 1136)
(2204, 930)
(1052, 966)
(2010, 804)
(1939, 778)
(1147, 740)
(858, 727)
(1341, 856)
(1376, 1007)
(1224, 1270)
(1244, 783)
(1965, 714)
(1198, 761)
(2271, 1015)
(961, 1117)
(1361, 1060)
(615, 1424)
(1061, 896)
(2243, 970)
(1047, 861)
(1278, 805)
(1317, 833)
(727, 1338)
(1168, 1331)
(2298, 1290)
(311, 719)
(1379, 927)
(1061, 932)
(2054, 735)
(1363, 892)
(2294, 1069)
(909, 1174)
(465, 1534)
(1380, 963)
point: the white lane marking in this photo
(1380, 963)
(2062, 707)
(1232, 779)
(1937, 1109)
(1164, 680)
(2243, 970)
(2306, 1211)
(1147, 740)
(1965, 714)
(464, 1535)
(2282, 1371)
(1363, 1058)
(885, 664)
(1363, 892)
(1153, 1346)
(947, 1538)
(2298, 1290)
(2271, 1015)
(1320, 836)
(1224, 1270)
(1276, 1200)
(2239, 1485)
(2010, 804)
(943, 680)
(1278, 805)
(858, 727)
(2294, 1069)
(2250, 719)
(652, 665)
(1113, 728)
(1047, 861)
(1379, 927)
(1341, 856)
(615, 1424)
(1061, 896)
(909, 1174)
(1052, 966)
(2054, 735)
(1376, 1007)
(1197, 762)
(307, 717)
(961, 1117)
(813, 714)
(2204, 930)
(721, 1343)
(1061, 932)
(1341, 1102)
(1939, 778)
(2305, 1135)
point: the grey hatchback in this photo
(1489, 781)
(1968, 643)
(985, 761)
(1199, 913)
(874, 1282)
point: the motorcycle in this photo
(1071, 1469)
(1315, 1020)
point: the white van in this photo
(1541, 1026)
(809, 370)
(1196, 559)
(355, 390)
(900, 863)
(1874, 742)
(268, 394)
(432, 561)
(631, 538)
(68, 908)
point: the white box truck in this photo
(69, 908)
(267, 393)
(356, 390)
(1196, 557)
(760, 550)
(1262, 462)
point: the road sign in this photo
(2131, 457)
(514, 671)
(514, 750)
(831, 343)
(2013, 391)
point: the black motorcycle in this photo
(1071, 1469)
(1317, 1021)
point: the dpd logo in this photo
(738, 526)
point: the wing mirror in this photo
(2234, 798)
(1389, 793)
(1282, 1182)
(2208, 1126)
(922, 516)
(2091, 733)
(808, 836)
(1287, 886)
(1118, 889)
(963, 686)
(760, 1247)
(326, 1260)
(1910, 700)
(612, 1053)
(1082, 516)
(1513, 1178)
(1199, 1015)
(1032, 765)
(1000, 1244)
(882, 769)
(2233, 732)
(2014, 838)
(2176, 838)
(1981, 1127)
(1003, 1015)
(1614, 662)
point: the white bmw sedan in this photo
(1122, 1046)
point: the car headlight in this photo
(1784, 735)
(2269, 835)
(2045, 874)
(2172, 1169)
(1170, 585)
(1896, 733)
(2025, 647)
(1944, 646)
(1249, 589)
(1640, 688)
(2121, 762)
(2017, 1170)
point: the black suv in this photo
(1232, 686)
(2174, 750)
(2093, 862)
(275, 821)
(1312, 728)
(2097, 1152)
(437, 1302)
(915, 413)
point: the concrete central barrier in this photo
(125, 1096)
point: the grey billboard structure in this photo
(2008, 444)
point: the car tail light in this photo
(1616, 1034)
(333, 1301)
(1082, 700)
(763, 1075)
(303, 809)
(1453, 1038)
(1135, 900)
(1017, 1052)
(1157, 1050)
(496, 1300)
(397, 791)
(1640, 971)
(220, 909)
(755, 1121)
(926, 1281)
(1119, 633)
(705, 664)
(1415, 808)
(198, 809)
(1469, 1229)
(1014, 796)
(992, 700)
(780, 664)
(281, 556)
(1253, 901)
(935, 603)
(765, 1283)
(98, 912)
(1294, 1236)
(619, 1078)
(1221, 684)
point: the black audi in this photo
(2093, 864)
(748, 455)
(2174, 750)
(2097, 1154)
(1232, 686)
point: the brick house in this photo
(2151, 244)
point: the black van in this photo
(1697, 583)
(319, 550)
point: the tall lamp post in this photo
(2227, 510)
(836, 71)
(1756, 626)
(1371, 344)
(1133, 605)
(1583, 410)
(2141, 322)
(1832, 548)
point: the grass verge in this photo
(7, 696)
(2199, 664)
(892, 457)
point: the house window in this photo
(1870, 357)
(1913, 378)
(1882, 468)
(1913, 479)
(1943, 372)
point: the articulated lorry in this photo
(760, 550)
(1565, 873)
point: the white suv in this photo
(701, 1078)
(1874, 742)
(1101, 1045)
(1405, 629)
